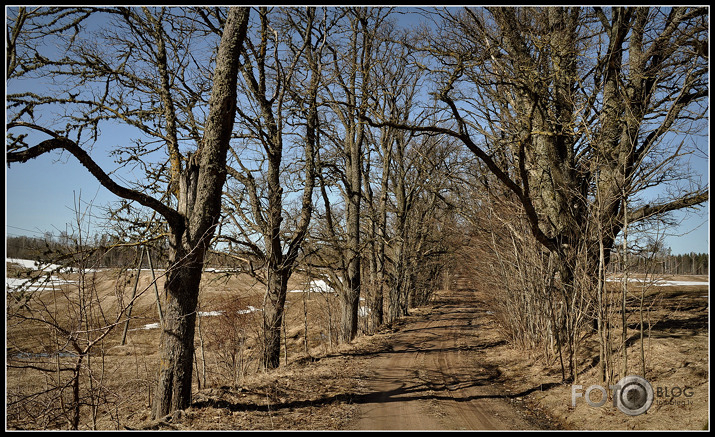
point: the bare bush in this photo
(57, 333)
(230, 340)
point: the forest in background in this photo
(46, 249)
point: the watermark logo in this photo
(632, 395)
(635, 396)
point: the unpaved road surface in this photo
(432, 378)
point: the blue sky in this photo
(41, 194)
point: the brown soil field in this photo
(445, 366)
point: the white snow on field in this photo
(14, 284)
(672, 283)
(661, 282)
(43, 267)
(214, 313)
(30, 264)
(318, 285)
(249, 310)
(51, 281)
(210, 313)
(37, 265)
(147, 326)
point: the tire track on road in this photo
(432, 378)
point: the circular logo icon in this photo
(635, 395)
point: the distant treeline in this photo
(101, 251)
(663, 263)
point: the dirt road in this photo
(432, 378)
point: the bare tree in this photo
(282, 86)
(397, 83)
(353, 52)
(56, 338)
(128, 86)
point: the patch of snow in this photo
(210, 313)
(318, 285)
(250, 309)
(148, 326)
(37, 265)
(660, 282)
(219, 270)
(30, 264)
(670, 283)
(201, 314)
(15, 284)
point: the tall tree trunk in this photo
(278, 274)
(279, 258)
(567, 288)
(351, 291)
(199, 205)
(381, 234)
(273, 310)
(177, 346)
(350, 304)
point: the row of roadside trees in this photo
(338, 140)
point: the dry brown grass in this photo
(123, 375)
(676, 351)
(314, 390)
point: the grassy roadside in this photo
(676, 350)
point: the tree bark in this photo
(199, 204)
(273, 316)
(351, 289)
(280, 253)
(177, 348)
